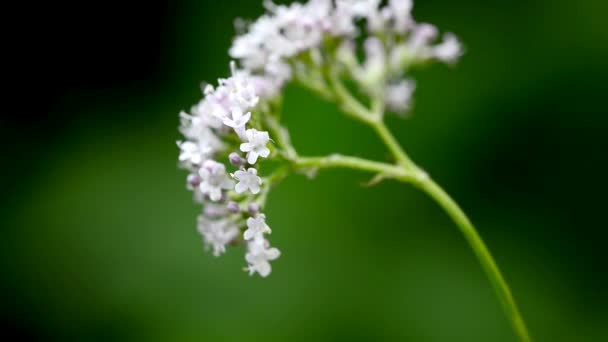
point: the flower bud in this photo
(233, 207)
(254, 208)
(193, 180)
(235, 159)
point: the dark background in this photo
(98, 237)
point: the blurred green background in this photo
(98, 232)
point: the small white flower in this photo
(241, 89)
(256, 226)
(401, 10)
(422, 35)
(449, 50)
(258, 256)
(217, 233)
(256, 145)
(248, 180)
(237, 119)
(191, 153)
(214, 179)
(398, 96)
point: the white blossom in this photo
(200, 128)
(256, 145)
(191, 153)
(398, 95)
(256, 226)
(214, 179)
(449, 50)
(217, 233)
(237, 119)
(401, 12)
(248, 180)
(259, 255)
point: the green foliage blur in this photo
(99, 242)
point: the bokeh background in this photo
(98, 239)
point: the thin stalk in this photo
(481, 252)
(407, 171)
(464, 224)
(393, 145)
(340, 161)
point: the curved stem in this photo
(481, 252)
(407, 171)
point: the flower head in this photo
(317, 43)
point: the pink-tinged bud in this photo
(193, 180)
(254, 208)
(233, 207)
(235, 159)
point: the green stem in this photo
(393, 145)
(481, 252)
(350, 105)
(407, 171)
(340, 161)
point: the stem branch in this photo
(393, 145)
(407, 171)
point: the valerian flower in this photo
(398, 95)
(313, 43)
(214, 179)
(248, 180)
(256, 145)
(256, 226)
(191, 153)
(217, 233)
(258, 256)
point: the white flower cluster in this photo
(312, 43)
(217, 126)
(297, 39)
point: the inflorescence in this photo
(372, 44)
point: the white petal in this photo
(240, 174)
(246, 118)
(264, 152)
(255, 188)
(240, 187)
(246, 147)
(263, 268)
(227, 184)
(215, 194)
(272, 254)
(249, 234)
(252, 157)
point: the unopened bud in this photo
(254, 208)
(233, 207)
(193, 180)
(235, 159)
